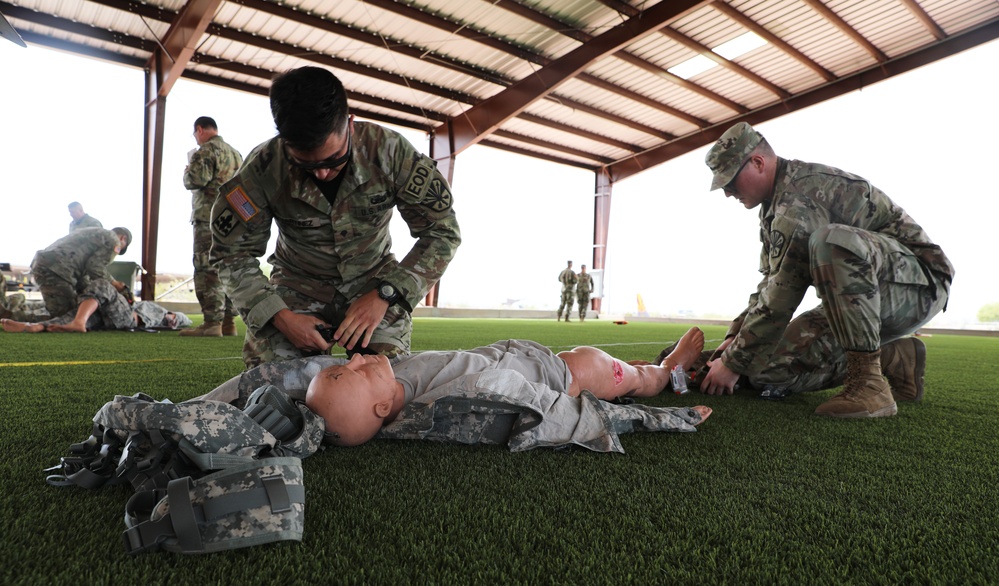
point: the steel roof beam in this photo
(706, 52)
(293, 51)
(484, 118)
(925, 18)
(568, 30)
(181, 39)
(835, 20)
(632, 165)
(762, 32)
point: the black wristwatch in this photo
(388, 292)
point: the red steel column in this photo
(601, 225)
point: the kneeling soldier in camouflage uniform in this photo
(878, 274)
(69, 264)
(331, 185)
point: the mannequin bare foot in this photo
(703, 411)
(17, 327)
(687, 349)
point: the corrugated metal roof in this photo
(424, 63)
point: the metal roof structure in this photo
(613, 86)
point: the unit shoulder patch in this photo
(224, 223)
(439, 198)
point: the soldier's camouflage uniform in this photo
(568, 279)
(327, 255)
(878, 274)
(510, 393)
(584, 287)
(214, 163)
(86, 221)
(69, 264)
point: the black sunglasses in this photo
(329, 163)
(729, 187)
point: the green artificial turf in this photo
(763, 493)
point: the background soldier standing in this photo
(568, 280)
(584, 287)
(81, 219)
(211, 165)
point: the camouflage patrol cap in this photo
(730, 152)
(128, 237)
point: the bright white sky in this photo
(72, 130)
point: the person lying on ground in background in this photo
(102, 307)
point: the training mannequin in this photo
(358, 398)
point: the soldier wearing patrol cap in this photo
(65, 268)
(331, 185)
(568, 279)
(878, 274)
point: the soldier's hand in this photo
(360, 321)
(118, 285)
(301, 330)
(719, 380)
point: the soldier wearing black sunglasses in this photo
(331, 185)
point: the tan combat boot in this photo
(903, 363)
(865, 392)
(228, 326)
(209, 329)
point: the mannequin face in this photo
(354, 399)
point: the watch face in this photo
(386, 291)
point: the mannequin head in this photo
(354, 399)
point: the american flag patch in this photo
(241, 204)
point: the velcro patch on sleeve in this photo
(419, 179)
(241, 204)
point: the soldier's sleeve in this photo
(736, 325)
(241, 228)
(778, 296)
(426, 204)
(96, 266)
(200, 170)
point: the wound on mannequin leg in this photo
(618, 373)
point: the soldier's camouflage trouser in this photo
(60, 295)
(567, 297)
(113, 311)
(392, 337)
(215, 304)
(584, 303)
(873, 291)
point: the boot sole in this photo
(882, 412)
(920, 370)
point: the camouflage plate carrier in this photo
(208, 476)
